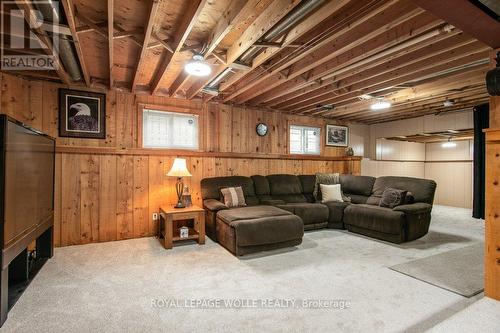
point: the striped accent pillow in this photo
(233, 196)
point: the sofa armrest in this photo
(271, 202)
(214, 205)
(415, 208)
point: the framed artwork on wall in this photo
(337, 136)
(82, 114)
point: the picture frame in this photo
(337, 136)
(82, 114)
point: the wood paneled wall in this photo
(108, 189)
(492, 230)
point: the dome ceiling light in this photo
(380, 105)
(198, 66)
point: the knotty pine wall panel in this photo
(107, 197)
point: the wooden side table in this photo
(169, 214)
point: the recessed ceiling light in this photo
(381, 105)
(449, 144)
(448, 103)
(197, 66)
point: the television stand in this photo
(17, 274)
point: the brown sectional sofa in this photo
(280, 207)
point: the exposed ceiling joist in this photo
(29, 17)
(323, 61)
(110, 42)
(467, 17)
(237, 11)
(266, 20)
(147, 36)
(188, 20)
(69, 10)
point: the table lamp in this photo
(179, 170)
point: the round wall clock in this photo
(261, 129)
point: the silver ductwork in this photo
(280, 28)
(285, 24)
(51, 11)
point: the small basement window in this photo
(305, 140)
(169, 130)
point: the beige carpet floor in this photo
(460, 271)
(126, 286)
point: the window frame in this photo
(302, 126)
(167, 109)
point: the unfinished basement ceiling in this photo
(309, 57)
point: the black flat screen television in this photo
(27, 180)
(27, 160)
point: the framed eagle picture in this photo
(82, 114)
(337, 136)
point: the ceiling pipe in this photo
(278, 30)
(50, 10)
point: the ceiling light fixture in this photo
(448, 103)
(449, 144)
(198, 66)
(381, 105)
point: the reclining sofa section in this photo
(277, 204)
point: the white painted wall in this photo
(431, 161)
(359, 139)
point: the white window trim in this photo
(304, 141)
(145, 142)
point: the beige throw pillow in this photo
(331, 193)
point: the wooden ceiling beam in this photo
(329, 15)
(103, 31)
(387, 60)
(153, 10)
(396, 78)
(265, 21)
(436, 101)
(188, 20)
(467, 17)
(111, 36)
(320, 61)
(379, 74)
(467, 104)
(323, 30)
(438, 92)
(28, 9)
(237, 11)
(397, 38)
(69, 10)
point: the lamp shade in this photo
(179, 169)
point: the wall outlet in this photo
(155, 216)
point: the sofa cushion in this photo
(214, 205)
(358, 185)
(284, 184)
(358, 199)
(308, 182)
(262, 225)
(376, 218)
(311, 213)
(210, 187)
(421, 189)
(336, 211)
(261, 185)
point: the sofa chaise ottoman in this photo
(251, 229)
